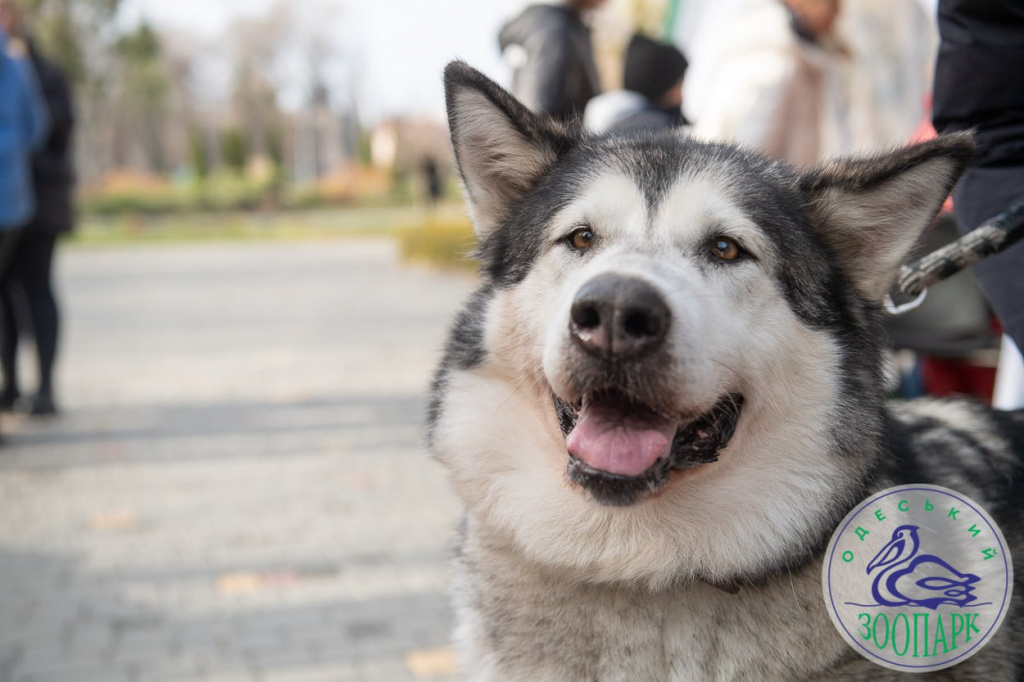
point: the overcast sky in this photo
(400, 46)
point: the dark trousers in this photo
(27, 292)
(983, 193)
(8, 243)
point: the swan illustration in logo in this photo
(906, 578)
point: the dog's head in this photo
(672, 368)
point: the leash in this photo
(991, 237)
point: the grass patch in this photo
(440, 242)
(379, 221)
(126, 193)
(440, 237)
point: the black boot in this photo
(8, 399)
(41, 405)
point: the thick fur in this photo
(716, 576)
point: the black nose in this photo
(616, 316)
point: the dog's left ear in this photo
(872, 210)
(502, 148)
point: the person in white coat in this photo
(771, 84)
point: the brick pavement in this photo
(236, 490)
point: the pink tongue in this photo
(619, 439)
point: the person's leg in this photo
(36, 279)
(9, 242)
(983, 193)
(8, 348)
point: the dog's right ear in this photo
(871, 210)
(502, 148)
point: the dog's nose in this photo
(617, 316)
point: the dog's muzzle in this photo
(623, 431)
(614, 471)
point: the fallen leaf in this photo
(427, 663)
(118, 519)
(239, 583)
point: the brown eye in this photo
(725, 248)
(582, 238)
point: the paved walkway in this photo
(236, 490)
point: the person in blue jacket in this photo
(30, 276)
(24, 124)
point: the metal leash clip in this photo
(894, 308)
(993, 236)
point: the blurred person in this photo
(772, 84)
(29, 275)
(433, 181)
(23, 127)
(550, 50)
(978, 87)
(652, 91)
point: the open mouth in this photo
(620, 448)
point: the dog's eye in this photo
(725, 248)
(581, 238)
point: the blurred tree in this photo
(73, 32)
(274, 143)
(233, 149)
(256, 44)
(365, 151)
(77, 35)
(198, 158)
(143, 92)
(182, 108)
(141, 46)
(275, 151)
(120, 79)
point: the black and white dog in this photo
(667, 392)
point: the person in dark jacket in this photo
(29, 279)
(652, 91)
(978, 86)
(550, 50)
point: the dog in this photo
(667, 392)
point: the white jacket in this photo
(611, 108)
(766, 88)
